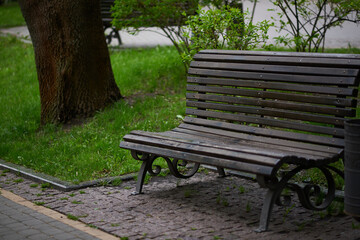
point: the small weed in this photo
(227, 189)
(116, 182)
(5, 171)
(301, 226)
(82, 192)
(248, 207)
(39, 194)
(3, 174)
(72, 194)
(218, 198)
(241, 189)
(64, 198)
(127, 188)
(72, 217)
(225, 202)
(92, 226)
(19, 180)
(188, 193)
(287, 211)
(336, 208)
(45, 185)
(115, 224)
(193, 229)
(34, 185)
(124, 238)
(355, 226)
(217, 237)
(40, 203)
(77, 202)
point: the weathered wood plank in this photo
(298, 137)
(220, 162)
(324, 100)
(273, 104)
(326, 80)
(269, 122)
(333, 90)
(214, 141)
(265, 68)
(322, 60)
(249, 155)
(262, 139)
(319, 56)
(268, 112)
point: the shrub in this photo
(225, 28)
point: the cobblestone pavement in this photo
(203, 207)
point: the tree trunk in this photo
(72, 58)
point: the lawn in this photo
(10, 15)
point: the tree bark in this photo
(72, 58)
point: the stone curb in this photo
(55, 182)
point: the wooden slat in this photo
(336, 90)
(273, 104)
(255, 157)
(268, 112)
(301, 137)
(326, 80)
(297, 60)
(265, 68)
(261, 139)
(319, 56)
(235, 144)
(325, 100)
(269, 122)
(220, 162)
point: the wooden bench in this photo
(105, 7)
(272, 114)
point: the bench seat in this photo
(228, 149)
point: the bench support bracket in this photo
(177, 167)
(309, 194)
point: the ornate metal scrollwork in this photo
(178, 168)
(176, 165)
(310, 195)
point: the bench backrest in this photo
(105, 8)
(299, 96)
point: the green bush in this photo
(225, 28)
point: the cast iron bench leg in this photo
(221, 171)
(269, 201)
(141, 178)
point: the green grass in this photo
(10, 15)
(152, 81)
